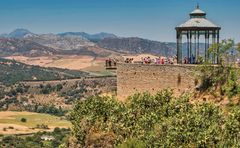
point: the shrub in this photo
(132, 143)
(42, 126)
(59, 87)
(159, 120)
(23, 120)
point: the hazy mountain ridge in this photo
(91, 37)
(24, 42)
(24, 33)
(134, 45)
(18, 33)
(62, 43)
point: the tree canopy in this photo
(159, 120)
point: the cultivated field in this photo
(10, 122)
(91, 64)
(95, 66)
(61, 61)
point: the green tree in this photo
(220, 49)
(159, 120)
(23, 120)
(222, 79)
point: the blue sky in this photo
(151, 19)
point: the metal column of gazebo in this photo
(196, 26)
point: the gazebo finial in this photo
(198, 6)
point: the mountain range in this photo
(24, 33)
(91, 37)
(135, 45)
(24, 42)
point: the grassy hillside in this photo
(12, 72)
(11, 122)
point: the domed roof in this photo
(197, 11)
(198, 20)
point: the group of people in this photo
(144, 60)
(111, 62)
(159, 60)
(129, 60)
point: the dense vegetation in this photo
(15, 96)
(81, 90)
(159, 120)
(50, 109)
(221, 80)
(47, 89)
(35, 141)
(12, 72)
(28, 96)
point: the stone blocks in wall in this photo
(134, 78)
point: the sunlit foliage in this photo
(159, 120)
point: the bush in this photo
(42, 126)
(221, 78)
(59, 87)
(132, 143)
(51, 110)
(159, 120)
(35, 140)
(23, 120)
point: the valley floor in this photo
(87, 63)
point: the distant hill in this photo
(24, 33)
(61, 42)
(91, 37)
(13, 46)
(12, 72)
(24, 42)
(18, 33)
(136, 45)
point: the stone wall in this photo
(133, 78)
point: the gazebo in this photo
(198, 25)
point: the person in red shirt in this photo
(162, 60)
